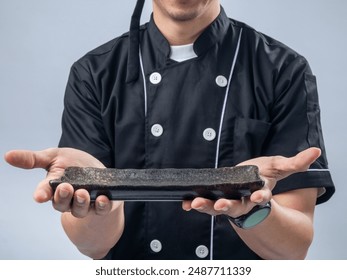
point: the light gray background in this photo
(40, 39)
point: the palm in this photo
(54, 160)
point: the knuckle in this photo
(80, 207)
(61, 207)
(78, 212)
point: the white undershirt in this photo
(182, 53)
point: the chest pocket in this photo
(248, 138)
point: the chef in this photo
(191, 89)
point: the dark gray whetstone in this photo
(164, 184)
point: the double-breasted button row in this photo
(209, 134)
(200, 251)
(155, 78)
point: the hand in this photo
(55, 161)
(271, 170)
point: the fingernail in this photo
(224, 209)
(63, 193)
(101, 204)
(80, 200)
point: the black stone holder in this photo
(164, 184)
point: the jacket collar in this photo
(214, 33)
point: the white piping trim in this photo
(317, 170)
(211, 237)
(144, 81)
(226, 97)
(220, 130)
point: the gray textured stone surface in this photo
(164, 184)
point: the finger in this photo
(43, 192)
(31, 159)
(187, 205)
(233, 208)
(202, 204)
(62, 197)
(304, 159)
(261, 196)
(224, 205)
(102, 205)
(221, 206)
(80, 205)
(284, 167)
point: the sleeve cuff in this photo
(313, 178)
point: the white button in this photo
(156, 246)
(201, 251)
(157, 130)
(209, 134)
(221, 81)
(155, 78)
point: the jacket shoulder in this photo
(258, 38)
(116, 48)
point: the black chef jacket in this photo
(245, 95)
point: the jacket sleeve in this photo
(82, 123)
(296, 125)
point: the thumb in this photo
(303, 160)
(31, 159)
(282, 167)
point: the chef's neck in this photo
(183, 32)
